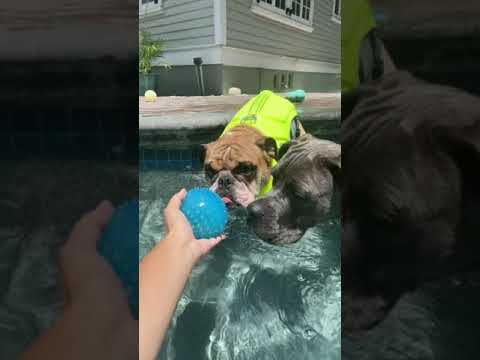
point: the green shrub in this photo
(149, 49)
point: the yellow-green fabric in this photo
(272, 115)
(357, 21)
(268, 186)
(269, 113)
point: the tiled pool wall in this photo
(99, 134)
(69, 108)
(179, 159)
(181, 149)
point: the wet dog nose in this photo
(225, 181)
(254, 210)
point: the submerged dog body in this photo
(303, 185)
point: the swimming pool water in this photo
(248, 300)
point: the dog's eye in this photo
(293, 190)
(245, 169)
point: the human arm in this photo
(163, 275)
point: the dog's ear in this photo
(334, 165)
(269, 145)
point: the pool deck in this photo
(193, 112)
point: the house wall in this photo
(254, 80)
(187, 28)
(182, 81)
(247, 30)
(182, 23)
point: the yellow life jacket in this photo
(357, 22)
(270, 114)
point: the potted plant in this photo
(149, 49)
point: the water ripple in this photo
(248, 299)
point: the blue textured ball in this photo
(206, 212)
(119, 246)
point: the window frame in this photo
(272, 12)
(150, 8)
(337, 17)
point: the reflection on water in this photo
(248, 299)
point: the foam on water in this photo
(248, 299)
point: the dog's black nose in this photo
(225, 182)
(254, 210)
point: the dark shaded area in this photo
(409, 192)
(71, 109)
(68, 140)
(446, 60)
(195, 325)
(437, 320)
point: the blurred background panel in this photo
(68, 140)
(436, 40)
(68, 79)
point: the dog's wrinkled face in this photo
(410, 193)
(302, 191)
(238, 164)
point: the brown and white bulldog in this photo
(238, 164)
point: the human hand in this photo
(179, 231)
(94, 293)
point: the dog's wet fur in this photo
(410, 192)
(303, 183)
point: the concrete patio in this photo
(174, 112)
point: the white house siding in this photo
(247, 30)
(182, 23)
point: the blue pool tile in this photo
(186, 155)
(162, 155)
(174, 155)
(179, 165)
(162, 164)
(197, 164)
(172, 159)
(149, 164)
(149, 155)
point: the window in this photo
(337, 10)
(289, 12)
(149, 6)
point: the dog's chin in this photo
(233, 202)
(282, 237)
(238, 197)
(229, 202)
